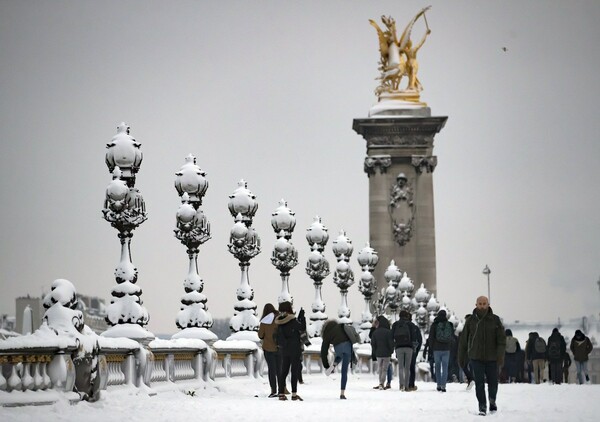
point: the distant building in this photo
(93, 308)
(37, 311)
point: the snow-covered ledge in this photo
(246, 353)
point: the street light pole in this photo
(487, 272)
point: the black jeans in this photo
(289, 363)
(273, 366)
(467, 370)
(483, 369)
(413, 364)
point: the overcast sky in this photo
(267, 91)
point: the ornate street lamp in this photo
(367, 259)
(285, 256)
(433, 306)
(487, 272)
(244, 244)
(343, 277)
(317, 269)
(390, 296)
(125, 210)
(422, 297)
(192, 230)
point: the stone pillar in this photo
(400, 166)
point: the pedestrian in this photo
(483, 342)
(510, 356)
(417, 342)
(403, 343)
(535, 353)
(566, 365)
(267, 332)
(440, 336)
(341, 336)
(557, 347)
(466, 368)
(289, 344)
(581, 346)
(382, 347)
(390, 370)
(428, 354)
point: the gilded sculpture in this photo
(399, 58)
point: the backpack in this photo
(554, 350)
(351, 333)
(511, 345)
(539, 345)
(443, 332)
(402, 334)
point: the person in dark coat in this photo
(289, 344)
(402, 332)
(440, 337)
(382, 347)
(510, 356)
(390, 369)
(581, 346)
(557, 347)
(466, 368)
(417, 341)
(483, 342)
(267, 332)
(566, 364)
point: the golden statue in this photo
(399, 59)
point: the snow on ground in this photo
(244, 399)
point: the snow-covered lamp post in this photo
(244, 244)
(285, 256)
(125, 210)
(317, 269)
(391, 294)
(192, 230)
(343, 277)
(367, 259)
(406, 287)
(422, 297)
(433, 306)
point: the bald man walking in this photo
(483, 342)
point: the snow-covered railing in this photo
(237, 358)
(120, 365)
(34, 369)
(181, 359)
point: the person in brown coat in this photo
(267, 332)
(581, 346)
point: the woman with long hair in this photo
(267, 332)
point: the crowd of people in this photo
(483, 352)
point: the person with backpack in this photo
(401, 332)
(440, 337)
(557, 347)
(535, 353)
(382, 347)
(581, 346)
(483, 342)
(510, 356)
(290, 347)
(342, 337)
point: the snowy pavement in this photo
(244, 399)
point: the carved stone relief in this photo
(402, 209)
(377, 162)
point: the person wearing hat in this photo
(581, 346)
(483, 342)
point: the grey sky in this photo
(267, 91)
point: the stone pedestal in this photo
(400, 164)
